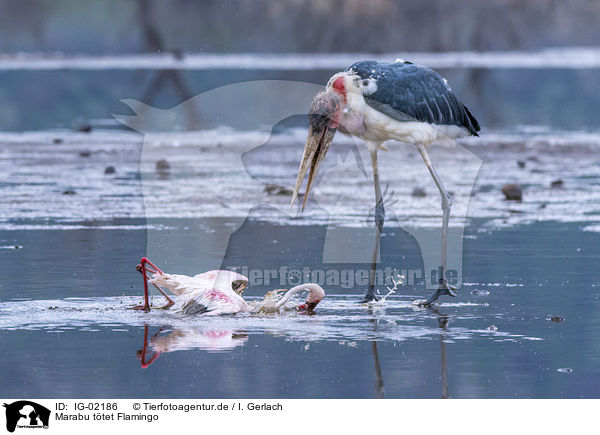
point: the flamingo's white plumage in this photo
(219, 292)
(207, 293)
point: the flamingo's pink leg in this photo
(170, 301)
(144, 267)
(141, 354)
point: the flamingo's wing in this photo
(210, 275)
(176, 284)
(192, 307)
(221, 278)
(205, 299)
(198, 295)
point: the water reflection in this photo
(443, 320)
(379, 387)
(406, 346)
(186, 339)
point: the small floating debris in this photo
(557, 319)
(512, 192)
(419, 192)
(492, 328)
(85, 153)
(84, 128)
(557, 184)
(480, 293)
(521, 164)
(275, 189)
(11, 247)
(110, 170)
(69, 192)
(162, 166)
(565, 370)
(57, 140)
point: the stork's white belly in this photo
(379, 127)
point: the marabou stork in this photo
(377, 102)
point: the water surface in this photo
(525, 321)
(69, 331)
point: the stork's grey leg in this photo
(444, 288)
(379, 219)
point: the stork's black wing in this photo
(408, 92)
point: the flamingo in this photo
(273, 303)
(182, 285)
(377, 102)
(218, 292)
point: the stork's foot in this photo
(369, 297)
(444, 289)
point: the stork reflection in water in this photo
(443, 320)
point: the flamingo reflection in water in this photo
(187, 339)
(219, 292)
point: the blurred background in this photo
(74, 221)
(303, 26)
(34, 95)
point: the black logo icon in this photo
(26, 414)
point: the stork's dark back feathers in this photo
(408, 92)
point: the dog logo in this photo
(26, 414)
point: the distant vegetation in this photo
(100, 27)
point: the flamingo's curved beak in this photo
(324, 118)
(308, 307)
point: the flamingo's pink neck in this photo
(315, 295)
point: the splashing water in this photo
(398, 280)
(338, 318)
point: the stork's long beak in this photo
(323, 116)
